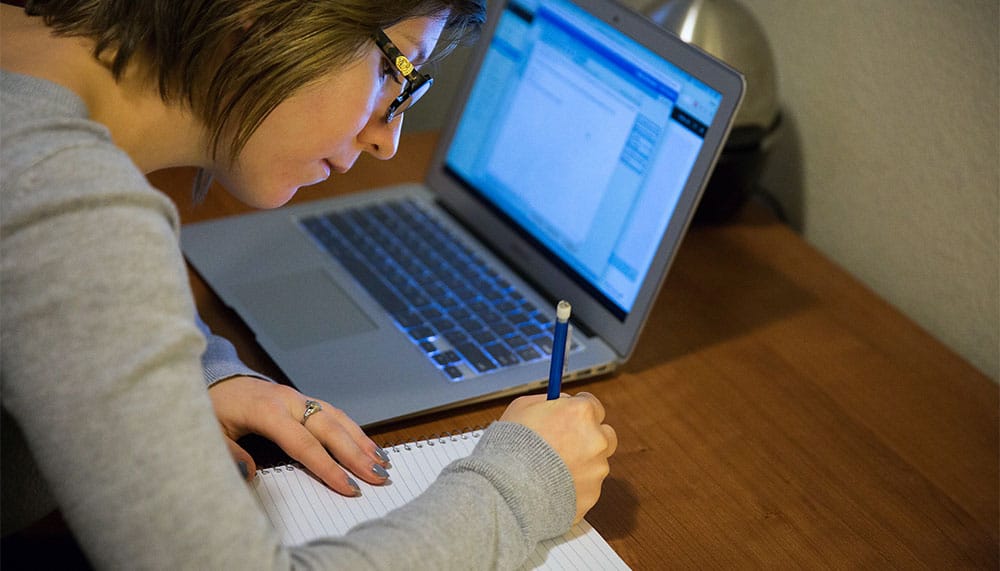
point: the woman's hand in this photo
(574, 427)
(246, 405)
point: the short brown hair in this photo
(233, 61)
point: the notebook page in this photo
(302, 509)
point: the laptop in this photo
(569, 169)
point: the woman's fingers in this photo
(345, 440)
(598, 407)
(326, 443)
(244, 462)
(355, 433)
(612, 437)
(313, 432)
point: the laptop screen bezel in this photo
(504, 237)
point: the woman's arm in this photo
(102, 371)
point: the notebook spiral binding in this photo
(435, 439)
(289, 466)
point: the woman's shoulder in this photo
(39, 118)
(54, 156)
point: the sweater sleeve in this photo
(485, 511)
(220, 361)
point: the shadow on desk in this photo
(717, 289)
(617, 509)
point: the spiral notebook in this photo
(302, 508)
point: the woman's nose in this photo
(381, 139)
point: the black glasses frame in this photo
(416, 83)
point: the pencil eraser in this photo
(563, 310)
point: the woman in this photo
(105, 415)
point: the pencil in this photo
(563, 310)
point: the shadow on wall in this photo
(782, 181)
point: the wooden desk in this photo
(777, 414)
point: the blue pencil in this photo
(563, 310)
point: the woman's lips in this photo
(335, 167)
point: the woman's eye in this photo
(389, 71)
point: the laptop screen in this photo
(584, 140)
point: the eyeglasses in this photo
(415, 84)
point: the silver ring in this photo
(312, 407)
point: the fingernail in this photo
(382, 454)
(379, 471)
(244, 471)
(354, 486)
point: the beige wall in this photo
(889, 158)
(891, 167)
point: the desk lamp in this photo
(727, 30)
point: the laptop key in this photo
(530, 329)
(407, 318)
(459, 313)
(518, 318)
(516, 341)
(416, 297)
(421, 332)
(484, 336)
(381, 292)
(475, 356)
(465, 293)
(502, 329)
(490, 316)
(470, 324)
(456, 336)
(447, 358)
(431, 313)
(502, 355)
(544, 342)
(528, 353)
(443, 324)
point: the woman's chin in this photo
(264, 199)
(273, 200)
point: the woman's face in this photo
(324, 127)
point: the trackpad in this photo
(301, 309)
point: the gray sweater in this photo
(103, 370)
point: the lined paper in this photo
(302, 508)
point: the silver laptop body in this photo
(571, 166)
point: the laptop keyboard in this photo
(465, 317)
